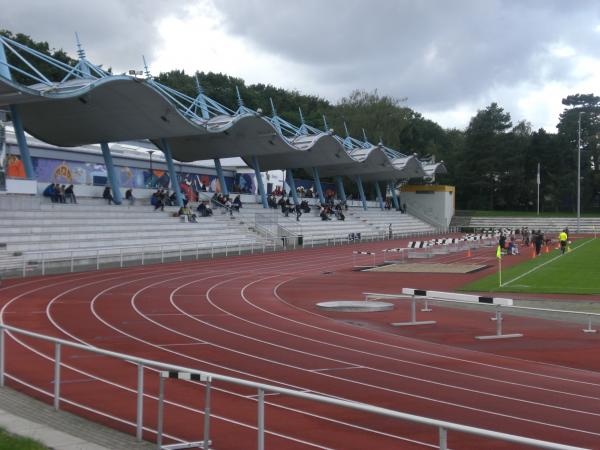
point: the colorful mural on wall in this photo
(75, 172)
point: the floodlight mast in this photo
(578, 170)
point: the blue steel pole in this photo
(361, 192)
(113, 178)
(292, 184)
(259, 182)
(16, 119)
(395, 196)
(224, 189)
(378, 192)
(318, 185)
(166, 148)
(341, 191)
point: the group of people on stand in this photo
(537, 239)
(58, 193)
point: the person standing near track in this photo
(563, 237)
(539, 239)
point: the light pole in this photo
(150, 152)
(578, 170)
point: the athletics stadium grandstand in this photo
(222, 345)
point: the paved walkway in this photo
(25, 416)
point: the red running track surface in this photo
(254, 317)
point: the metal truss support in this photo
(340, 186)
(378, 192)
(318, 185)
(113, 177)
(361, 192)
(222, 182)
(166, 148)
(16, 119)
(394, 196)
(259, 182)
(292, 184)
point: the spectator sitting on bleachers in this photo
(304, 206)
(107, 195)
(271, 201)
(70, 194)
(388, 204)
(158, 200)
(339, 215)
(323, 214)
(283, 205)
(237, 203)
(204, 209)
(185, 211)
(61, 193)
(49, 192)
(129, 196)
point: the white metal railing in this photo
(68, 260)
(442, 426)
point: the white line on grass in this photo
(542, 265)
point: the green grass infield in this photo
(575, 272)
(10, 441)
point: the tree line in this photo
(492, 162)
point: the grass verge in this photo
(575, 272)
(10, 441)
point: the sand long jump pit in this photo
(428, 268)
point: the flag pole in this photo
(538, 189)
(499, 256)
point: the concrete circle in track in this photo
(355, 306)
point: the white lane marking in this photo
(337, 368)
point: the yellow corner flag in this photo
(498, 252)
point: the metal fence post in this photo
(43, 265)
(24, 268)
(197, 251)
(239, 248)
(162, 254)
(161, 397)
(56, 376)
(207, 415)
(180, 253)
(121, 256)
(261, 419)
(142, 256)
(226, 247)
(212, 249)
(97, 259)
(72, 262)
(140, 403)
(2, 350)
(443, 439)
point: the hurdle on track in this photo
(206, 442)
(438, 296)
(394, 255)
(364, 259)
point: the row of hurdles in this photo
(425, 249)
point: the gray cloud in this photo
(114, 32)
(437, 53)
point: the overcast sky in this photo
(448, 58)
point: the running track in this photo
(254, 317)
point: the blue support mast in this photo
(259, 182)
(292, 184)
(16, 120)
(113, 176)
(166, 148)
(361, 192)
(394, 196)
(378, 193)
(340, 186)
(318, 185)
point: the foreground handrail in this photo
(442, 425)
